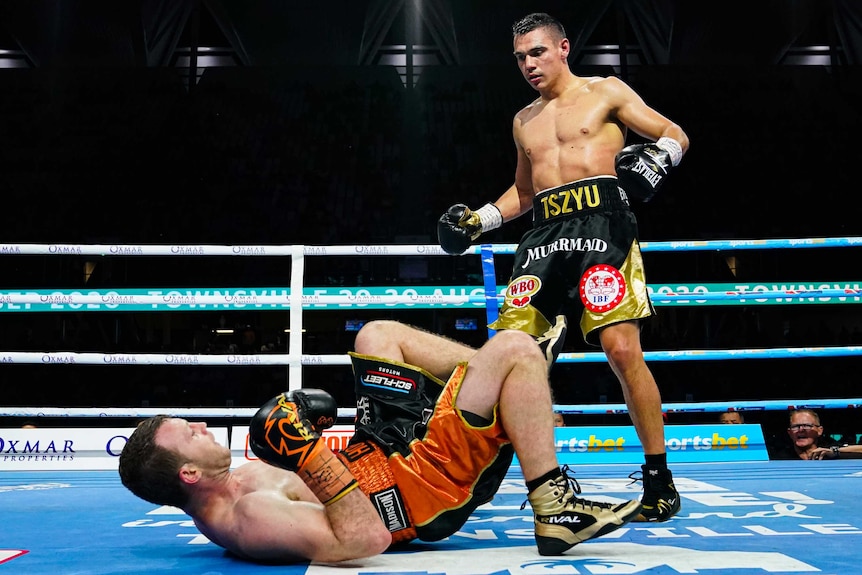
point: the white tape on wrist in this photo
(490, 216)
(672, 147)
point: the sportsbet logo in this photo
(715, 441)
(596, 443)
(593, 444)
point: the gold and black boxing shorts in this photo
(581, 259)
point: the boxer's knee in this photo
(621, 344)
(378, 337)
(516, 346)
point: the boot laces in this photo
(570, 489)
(564, 483)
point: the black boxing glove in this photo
(281, 432)
(318, 406)
(285, 432)
(643, 168)
(460, 225)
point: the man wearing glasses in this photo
(806, 436)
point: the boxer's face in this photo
(193, 441)
(541, 56)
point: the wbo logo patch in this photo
(521, 290)
(602, 288)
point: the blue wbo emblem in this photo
(684, 444)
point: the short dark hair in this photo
(731, 411)
(150, 471)
(537, 20)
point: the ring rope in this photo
(287, 298)
(93, 358)
(349, 412)
(392, 250)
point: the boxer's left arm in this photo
(278, 528)
(642, 168)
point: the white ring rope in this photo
(240, 360)
(227, 412)
(348, 413)
(390, 250)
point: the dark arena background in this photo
(357, 123)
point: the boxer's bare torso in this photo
(570, 137)
(231, 517)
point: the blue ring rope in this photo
(489, 275)
(728, 295)
(720, 245)
(721, 354)
(719, 406)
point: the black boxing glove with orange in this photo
(285, 432)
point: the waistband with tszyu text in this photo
(577, 199)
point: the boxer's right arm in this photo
(278, 528)
(459, 226)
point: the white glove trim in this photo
(490, 217)
(672, 147)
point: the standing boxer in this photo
(426, 453)
(582, 258)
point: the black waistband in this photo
(577, 199)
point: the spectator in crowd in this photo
(733, 417)
(805, 437)
(559, 420)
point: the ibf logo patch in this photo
(602, 288)
(521, 290)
